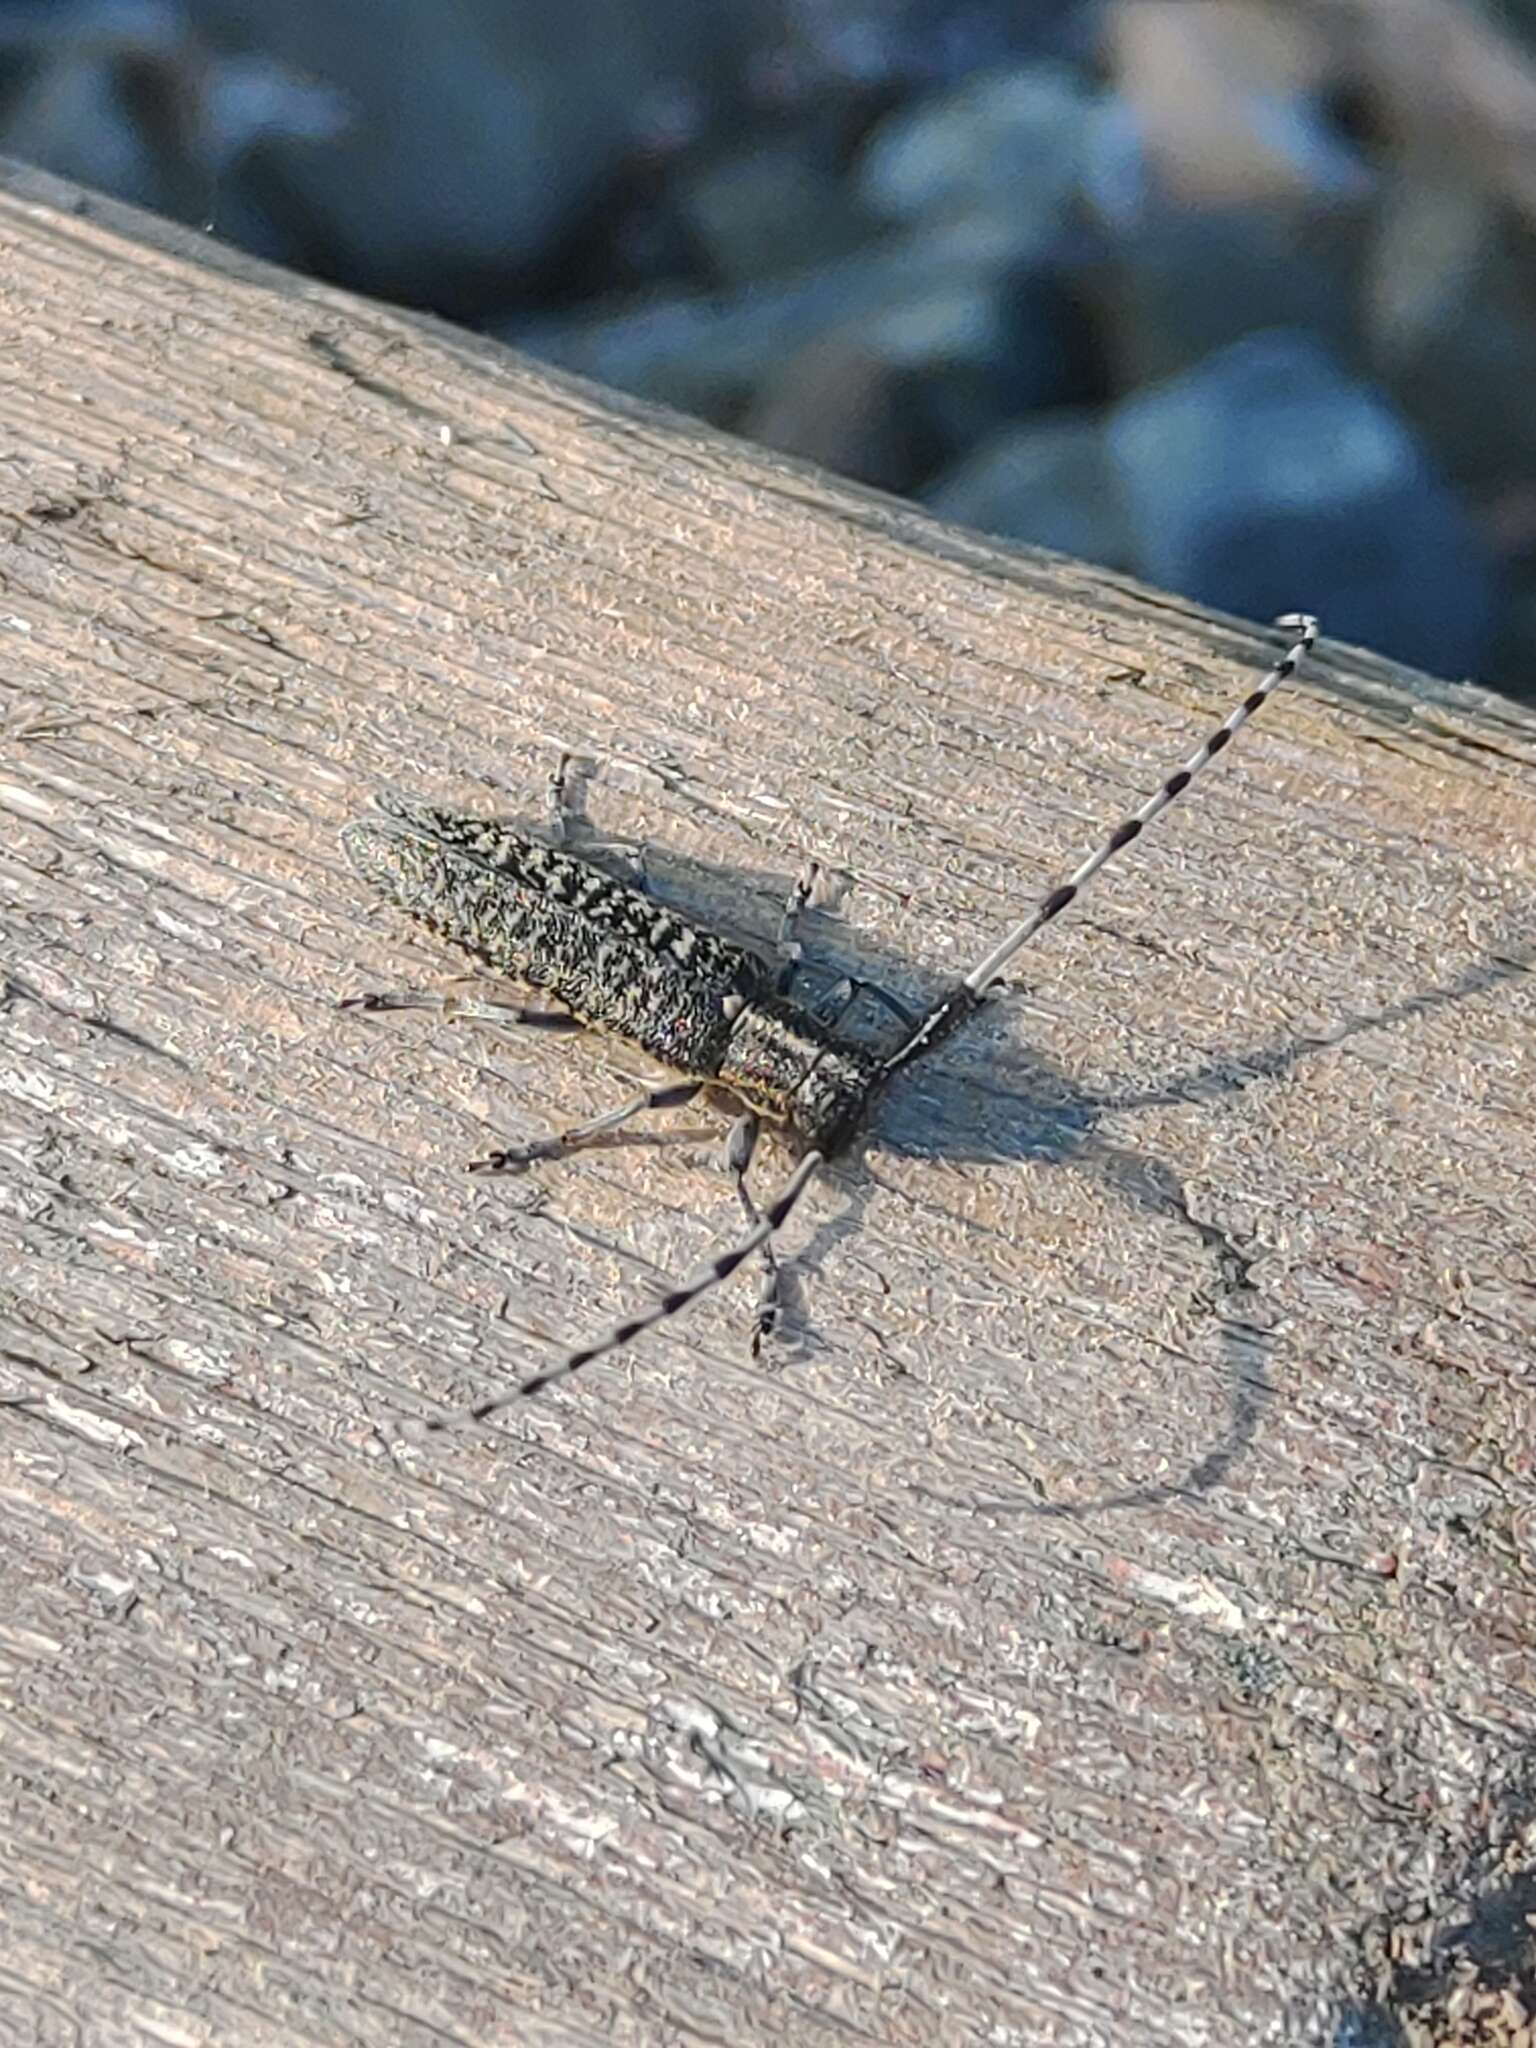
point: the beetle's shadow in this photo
(1019, 1109)
(1470, 1948)
(1027, 1110)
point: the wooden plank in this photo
(1113, 1596)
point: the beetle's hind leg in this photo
(593, 1131)
(506, 1015)
(509, 1015)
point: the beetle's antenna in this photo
(672, 1303)
(964, 998)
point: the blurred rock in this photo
(1185, 284)
(1268, 479)
(126, 96)
(1009, 144)
(1450, 327)
(1229, 102)
(776, 207)
(894, 398)
(1512, 664)
(839, 404)
(977, 355)
(698, 351)
(913, 45)
(1449, 84)
(944, 297)
(483, 128)
(1048, 481)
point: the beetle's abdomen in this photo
(613, 956)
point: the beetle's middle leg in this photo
(739, 1148)
(563, 819)
(834, 1003)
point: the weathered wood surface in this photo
(1117, 1588)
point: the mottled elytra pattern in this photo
(561, 882)
(712, 1011)
(610, 954)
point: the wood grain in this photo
(1116, 1592)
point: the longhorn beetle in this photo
(717, 1013)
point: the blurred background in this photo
(1238, 295)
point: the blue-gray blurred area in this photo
(1238, 296)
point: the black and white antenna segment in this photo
(720, 1016)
